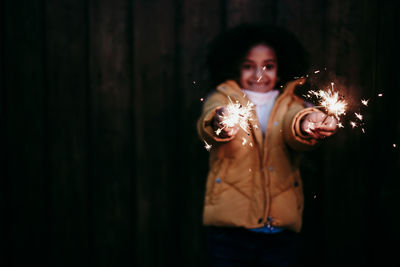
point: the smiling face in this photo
(259, 69)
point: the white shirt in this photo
(263, 104)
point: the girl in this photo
(254, 200)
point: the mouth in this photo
(258, 85)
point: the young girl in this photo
(254, 200)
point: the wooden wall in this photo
(101, 164)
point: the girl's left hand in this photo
(319, 125)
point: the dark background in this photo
(101, 164)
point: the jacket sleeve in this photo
(204, 128)
(292, 124)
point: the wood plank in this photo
(111, 134)
(66, 130)
(307, 20)
(22, 96)
(155, 121)
(384, 129)
(256, 11)
(202, 21)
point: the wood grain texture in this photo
(66, 130)
(101, 163)
(23, 109)
(110, 113)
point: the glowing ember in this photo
(380, 95)
(331, 102)
(353, 124)
(365, 102)
(317, 71)
(244, 141)
(394, 145)
(207, 146)
(201, 99)
(237, 115)
(359, 116)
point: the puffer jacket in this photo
(254, 180)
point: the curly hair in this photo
(228, 50)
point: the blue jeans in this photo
(228, 246)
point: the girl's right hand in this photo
(221, 130)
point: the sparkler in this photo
(331, 102)
(237, 114)
(335, 105)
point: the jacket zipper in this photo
(267, 219)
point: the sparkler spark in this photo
(359, 116)
(237, 115)
(330, 100)
(353, 124)
(365, 102)
(207, 146)
(244, 141)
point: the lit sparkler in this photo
(237, 114)
(330, 100)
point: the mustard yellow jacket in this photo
(254, 180)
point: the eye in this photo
(247, 66)
(269, 66)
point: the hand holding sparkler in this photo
(220, 128)
(319, 125)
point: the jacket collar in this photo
(232, 89)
